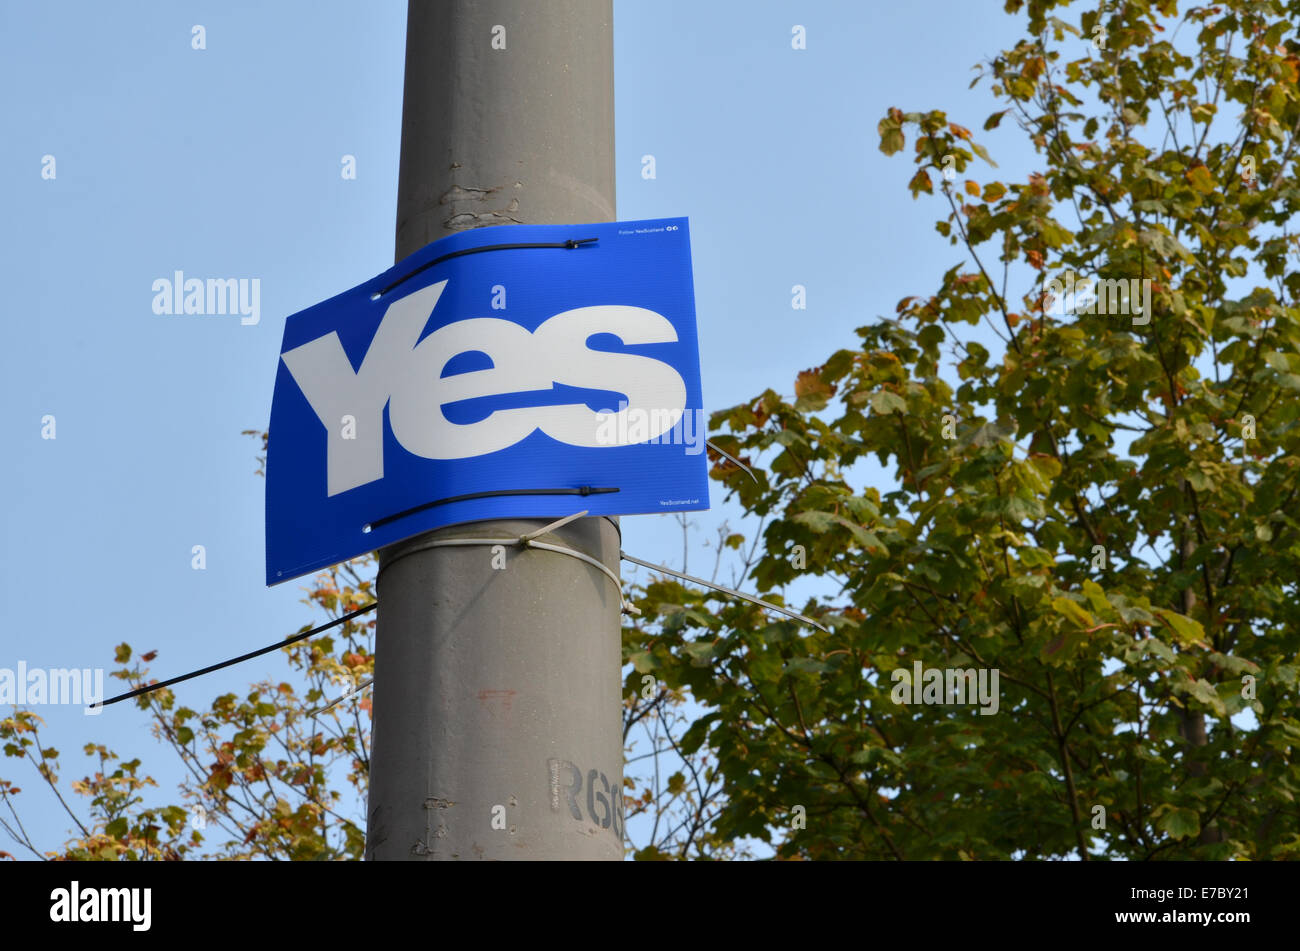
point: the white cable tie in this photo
(618, 585)
(525, 541)
(552, 527)
(718, 587)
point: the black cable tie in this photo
(570, 244)
(583, 490)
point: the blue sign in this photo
(522, 371)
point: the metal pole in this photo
(497, 729)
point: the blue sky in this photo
(225, 162)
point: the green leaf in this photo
(1036, 558)
(1282, 361)
(1180, 823)
(695, 735)
(819, 522)
(1072, 612)
(993, 121)
(1185, 630)
(891, 136)
(866, 539)
(1204, 691)
(982, 153)
(1201, 179)
(1096, 596)
(644, 662)
(808, 665)
(701, 653)
(884, 402)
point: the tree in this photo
(1101, 512)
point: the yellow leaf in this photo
(1201, 179)
(1184, 628)
(1068, 609)
(810, 383)
(1095, 595)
